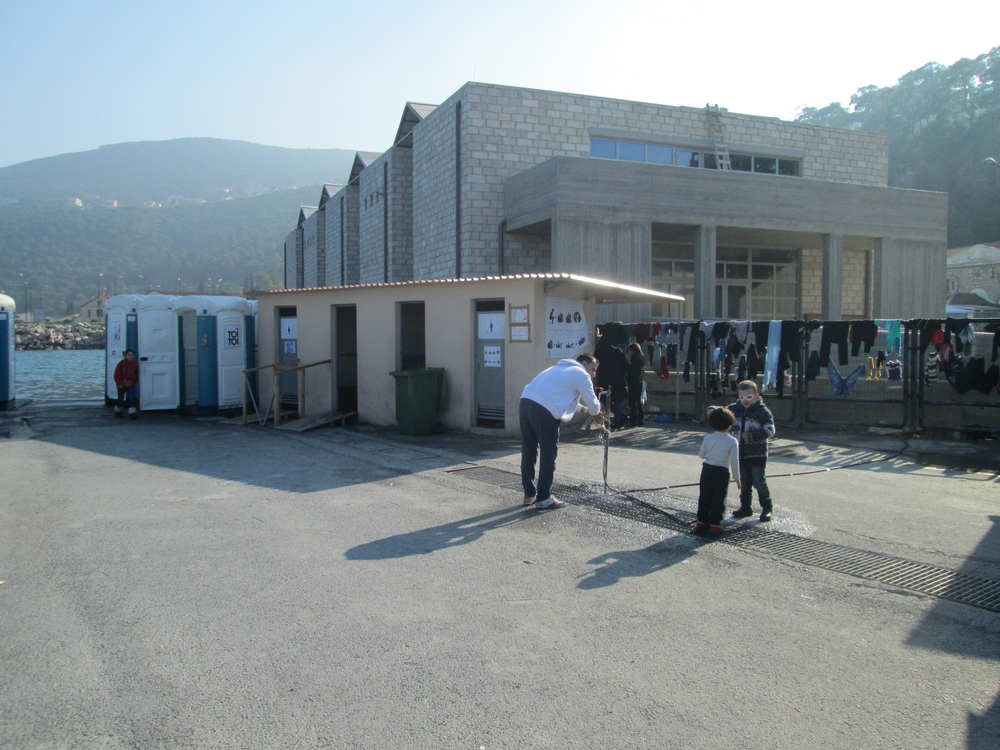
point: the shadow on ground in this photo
(943, 629)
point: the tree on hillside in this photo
(942, 122)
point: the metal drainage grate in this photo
(873, 566)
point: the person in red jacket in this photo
(127, 381)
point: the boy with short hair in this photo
(756, 427)
(721, 452)
(126, 380)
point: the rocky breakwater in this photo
(34, 336)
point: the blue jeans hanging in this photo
(842, 386)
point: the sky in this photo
(78, 75)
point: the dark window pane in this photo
(759, 271)
(687, 158)
(683, 268)
(736, 270)
(788, 167)
(631, 151)
(765, 165)
(737, 254)
(710, 162)
(602, 148)
(660, 154)
(720, 271)
(774, 256)
(741, 162)
(684, 252)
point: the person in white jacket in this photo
(552, 398)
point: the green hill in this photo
(195, 168)
(221, 210)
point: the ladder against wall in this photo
(722, 160)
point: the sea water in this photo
(60, 373)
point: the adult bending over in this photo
(552, 398)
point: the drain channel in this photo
(872, 566)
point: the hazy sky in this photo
(77, 75)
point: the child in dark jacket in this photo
(633, 378)
(756, 427)
(720, 451)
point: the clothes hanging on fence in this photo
(761, 329)
(863, 332)
(995, 351)
(964, 376)
(931, 369)
(894, 373)
(773, 354)
(834, 332)
(892, 338)
(927, 328)
(753, 362)
(672, 355)
(843, 385)
(812, 366)
(741, 370)
(740, 330)
(991, 379)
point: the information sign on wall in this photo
(566, 331)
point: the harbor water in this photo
(59, 374)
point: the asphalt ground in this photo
(183, 583)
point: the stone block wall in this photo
(966, 278)
(434, 193)
(854, 291)
(505, 130)
(291, 259)
(400, 197)
(527, 253)
(309, 246)
(371, 223)
(342, 211)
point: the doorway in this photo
(489, 362)
(346, 358)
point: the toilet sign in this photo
(491, 356)
(491, 325)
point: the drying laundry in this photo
(843, 385)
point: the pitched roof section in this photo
(305, 212)
(361, 160)
(413, 113)
(974, 255)
(330, 189)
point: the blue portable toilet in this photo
(7, 342)
(213, 345)
(121, 332)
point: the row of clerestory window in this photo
(653, 153)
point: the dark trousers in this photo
(635, 404)
(754, 476)
(126, 397)
(539, 441)
(713, 487)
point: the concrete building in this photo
(974, 278)
(93, 309)
(744, 216)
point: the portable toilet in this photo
(251, 349)
(121, 332)
(7, 342)
(213, 344)
(159, 365)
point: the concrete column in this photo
(909, 279)
(704, 271)
(833, 277)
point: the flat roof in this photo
(605, 292)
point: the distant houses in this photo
(93, 309)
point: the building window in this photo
(673, 273)
(604, 148)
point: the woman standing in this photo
(633, 378)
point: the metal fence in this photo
(854, 387)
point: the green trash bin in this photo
(418, 397)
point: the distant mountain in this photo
(154, 171)
(151, 213)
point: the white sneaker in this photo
(549, 504)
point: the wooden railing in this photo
(280, 368)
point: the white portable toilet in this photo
(214, 341)
(121, 332)
(159, 366)
(7, 342)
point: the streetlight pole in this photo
(99, 277)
